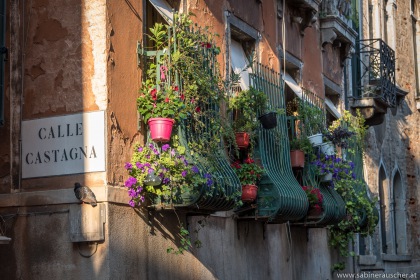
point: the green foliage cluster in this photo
(245, 106)
(362, 216)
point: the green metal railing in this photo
(194, 133)
(280, 197)
(333, 205)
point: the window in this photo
(243, 41)
(399, 215)
(383, 202)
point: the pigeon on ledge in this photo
(84, 194)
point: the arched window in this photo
(399, 215)
(384, 211)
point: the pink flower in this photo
(163, 70)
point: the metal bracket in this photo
(140, 51)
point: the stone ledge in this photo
(396, 258)
(367, 260)
(62, 196)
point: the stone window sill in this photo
(396, 258)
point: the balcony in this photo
(307, 11)
(375, 88)
(336, 24)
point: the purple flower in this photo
(139, 189)
(184, 173)
(140, 149)
(353, 176)
(173, 152)
(209, 182)
(151, 146)
(141, 199)
(147, 164)
(132, 203)
(130, 181)
(165, 181)
(139, 165)
(165, 147)
(132, 193)
(128, 166)
(151, 170)
(351, 164)
(195, 169)
(156, 152)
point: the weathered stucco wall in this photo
(64, 69)
(124, 28)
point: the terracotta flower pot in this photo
(297, 158)
(160, 129)
(242, 139)
(249, 193)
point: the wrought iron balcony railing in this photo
(375, 75)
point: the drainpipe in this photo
(346, 101)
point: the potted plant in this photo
(245, 106)
(310, 118)
(315, 199)
(249, 173)
(160, 106)
(163, 172)
(339, 136)
(179, 84)
(333, 168)
(326, 147)
(299, 147)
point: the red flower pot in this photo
(242, 140)
(297, 158)
(160, 129)
(249, 193)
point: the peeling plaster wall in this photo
(65, 68)
(123, 30)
